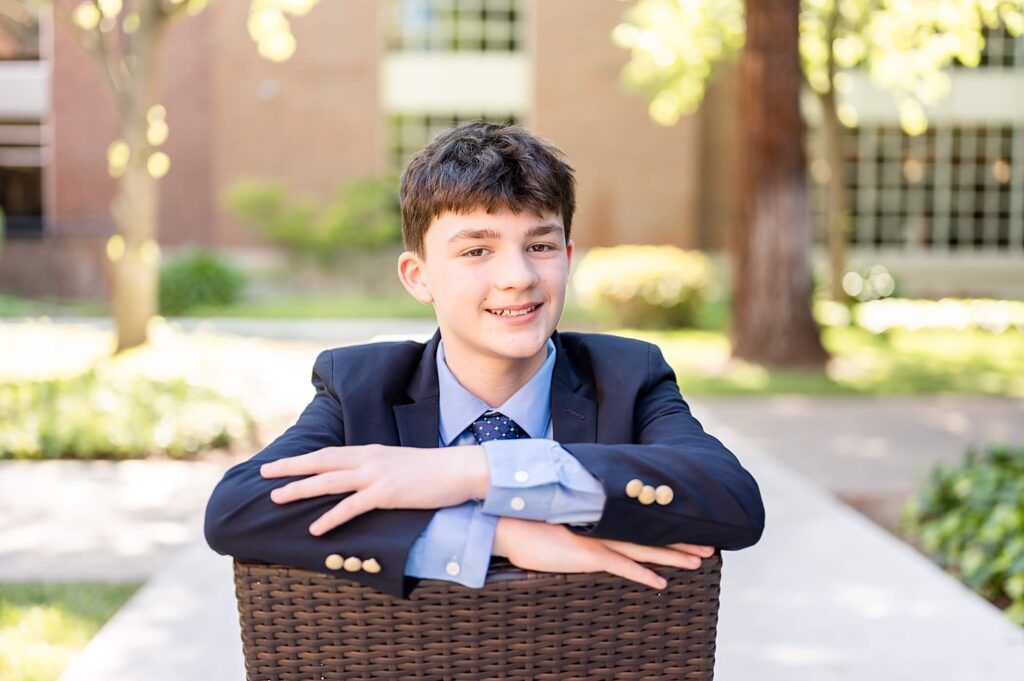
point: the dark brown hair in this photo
(484, 165)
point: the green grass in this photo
(971, 362)
(42, 626)
(320, 307)
(15, 306)
(290, 307)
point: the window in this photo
(21, 176)
(455, 25)
(956, 187)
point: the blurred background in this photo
(815, 208)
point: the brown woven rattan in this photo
(298, 624)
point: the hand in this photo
(380, 477)
(544, 547)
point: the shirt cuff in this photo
(455, 546)
(537, 479)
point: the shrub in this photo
(970, 518)
(101, 414)
(363, 214)
(644, 286)
(198, 278)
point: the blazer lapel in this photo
(418, 420)
(573, 411)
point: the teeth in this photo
(513, 313)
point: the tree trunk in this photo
(135, 208)
(136, 270)
(772, 322)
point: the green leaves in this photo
(906, 47)
(361, 215)
(971, 519)
(644, 286)
(674, 45)
(196, 279)
(106, 414)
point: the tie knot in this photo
(494, 425)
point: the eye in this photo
(542, 247)
(475, 253)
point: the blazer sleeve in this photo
(704, 495)
(242, 521)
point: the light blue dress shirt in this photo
(534, 479)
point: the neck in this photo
(492, 379)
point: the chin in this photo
(524, 348)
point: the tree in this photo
(771, 312)
(124, 38)
(904, 45)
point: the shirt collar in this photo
(529, 407)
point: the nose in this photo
(515, 270)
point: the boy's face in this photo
(478, 264)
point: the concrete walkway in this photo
(873, 453)
(101, 521)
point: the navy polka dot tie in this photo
(494, 425)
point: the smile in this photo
(514, 313)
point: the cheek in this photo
(556, 280)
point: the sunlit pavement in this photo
(828, 594)
(873, 453)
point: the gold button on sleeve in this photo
(334, 562)
(663, 494)
(646, 495)
(371, 565)
(633, 488)
(352, 564)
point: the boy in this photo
(499, 436)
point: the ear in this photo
(569, 245)
(412, 274)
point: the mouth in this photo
(514, 310)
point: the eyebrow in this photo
(538, 230)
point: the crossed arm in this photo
(386, 477)
(376, 501)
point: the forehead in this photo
(500, 224)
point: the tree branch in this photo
(93, 42)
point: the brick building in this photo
(373, 80)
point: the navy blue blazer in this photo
(615, 406)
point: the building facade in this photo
(373, 80)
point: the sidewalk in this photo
(872, 453)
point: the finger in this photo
(335, 482)
(655, 554)
(618, 564)
(343, 511)
(320, 461)
(696, 549)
